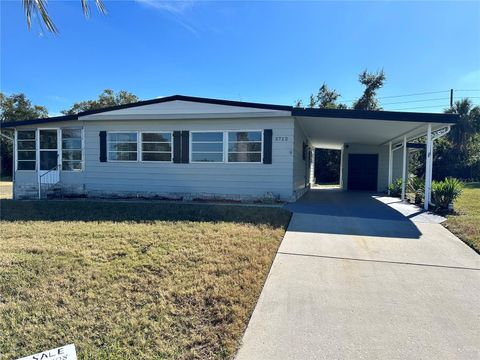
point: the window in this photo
(244, 146)
(156, 146)
(26, 150)
(122, 146)
(207, 147)
(71, 149)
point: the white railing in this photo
(47, 179)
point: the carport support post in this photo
(404, 167)
(390, 164)
(428, 167)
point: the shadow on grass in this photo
(140, 212)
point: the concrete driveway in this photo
(365, 277)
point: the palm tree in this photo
(468, 123)
(39, 7)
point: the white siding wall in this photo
(397, 164)
(242, 180)
(301, 171)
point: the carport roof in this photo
(377, 115)
(333, 128)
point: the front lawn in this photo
(127, 280)
(466, 222)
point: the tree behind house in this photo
(105, 99)
(372, 82)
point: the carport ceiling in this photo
(333, 133)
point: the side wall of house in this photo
(186, 181)
(382, 151)
(301, 163)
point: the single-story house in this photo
(198, 148)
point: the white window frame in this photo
(255, 152)
(141, 146)
(122, 132)
(82, 145)
(15, 150)
(213, 152)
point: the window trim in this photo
(122, 132)
(15, 150)
(141, 147)
(254, 152)
(191, 161)
(225, 147)
(82, 148)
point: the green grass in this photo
(465, 223)
(125, 280)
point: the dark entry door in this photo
(362, 172)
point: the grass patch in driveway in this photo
(465, 223)
(132, 280)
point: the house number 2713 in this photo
(281, 138)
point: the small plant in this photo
(416, 186)
(395, 188)
(445, 192)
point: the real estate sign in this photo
(66, 352)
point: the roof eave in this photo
(450, 119)
(13, 124)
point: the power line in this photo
(423, 107)
(407, 95)
(419, 94)
(412, 101)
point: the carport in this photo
(371, 141)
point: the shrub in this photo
(395, 188)
(416, 186)
(445, 192)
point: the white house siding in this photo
(397, 164)
(382, 151)
(202, 180)
(180, 109)
(301, 170)
(194, 180)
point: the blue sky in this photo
(274, 52)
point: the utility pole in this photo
(451, 98)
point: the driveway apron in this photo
(362, 276)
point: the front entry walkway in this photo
(356, 279)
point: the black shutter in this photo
(185, 147)
(103, 146)
(267, 146)
(177, 147)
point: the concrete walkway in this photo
(358, 277)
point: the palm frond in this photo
(39, 8)
(86, 9)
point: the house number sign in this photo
(281, 138)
